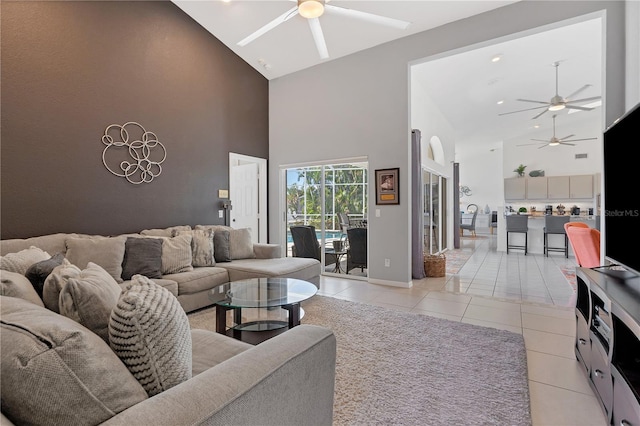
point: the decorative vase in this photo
(487, 210)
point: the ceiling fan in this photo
(554, 141)
(312, 10)
(558, 102)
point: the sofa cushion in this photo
(89, 297)
(199, 279)
(55, 371)
(170, 285)
(210, 349)
(54, 283)
(150, 333)
(13, 284)
(39, 271)
(142, 256)
(221, 242)
(107, 252)
(201, 246)
(21, 261)
(52, 243)
(286, 267)
(176, 254)
(240, 243)
(164, 232)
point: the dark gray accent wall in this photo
(70, 69)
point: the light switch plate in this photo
(220, 214)
(377, 212)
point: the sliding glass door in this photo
(332, 198)
(435, 214)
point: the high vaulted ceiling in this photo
(465, 86)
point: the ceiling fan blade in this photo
(585, 87)
(521, 110)
(364, 16)
(541, 140)
(271, 25)
(583, 139)
(578, 107)
(594, 98)
(529, 100)
(545, 145)
(566, 137)
(546, 109)
(318, 37)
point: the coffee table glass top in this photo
(262, 292)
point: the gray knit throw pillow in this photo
(150, 332)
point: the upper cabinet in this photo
(515, 188)
(549, 188)
(558, 187)
(581, 186)
(537, 188)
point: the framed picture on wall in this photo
(388, 186)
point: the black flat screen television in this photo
(621, 198)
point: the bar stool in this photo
(555, 225)
(518, 224)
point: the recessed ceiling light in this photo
(496, 58)
(500, 102)
(536, 126)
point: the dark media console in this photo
(608, 341)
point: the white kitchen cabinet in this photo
(515, 188)
(537, 188)
(581, 186)
(558, 187)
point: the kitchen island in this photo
(536, 234)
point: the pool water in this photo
(328, 235)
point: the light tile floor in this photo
(523, 294)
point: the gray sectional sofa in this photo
(192, 285)
(150, 367)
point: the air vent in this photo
(579, 156)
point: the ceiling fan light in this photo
(556, 107)
(310, 8)
(554, 143)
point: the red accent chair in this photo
(585, 242)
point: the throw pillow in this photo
(13, 284)
(56, 372)
(55, 282)
(142, 256)
(176, 255)
(107, 252)
(221, 244)
(150, 333)
(164, 232)
(38, 272)
(201, 246)
(240, 244)
(89, 298)
(19, 262)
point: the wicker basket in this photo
(435, 265)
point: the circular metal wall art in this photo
(132, 152)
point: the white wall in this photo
(481, 171)
(359, 106)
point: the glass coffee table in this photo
(263, 294)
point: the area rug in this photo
(570, 275)
(397, 368)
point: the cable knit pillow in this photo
(150, 333)
(55, 282)
(176, 254)
(19, 262)
(88, 299)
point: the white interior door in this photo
(243, 192)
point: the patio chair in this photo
(357, 252)
(305, 244)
